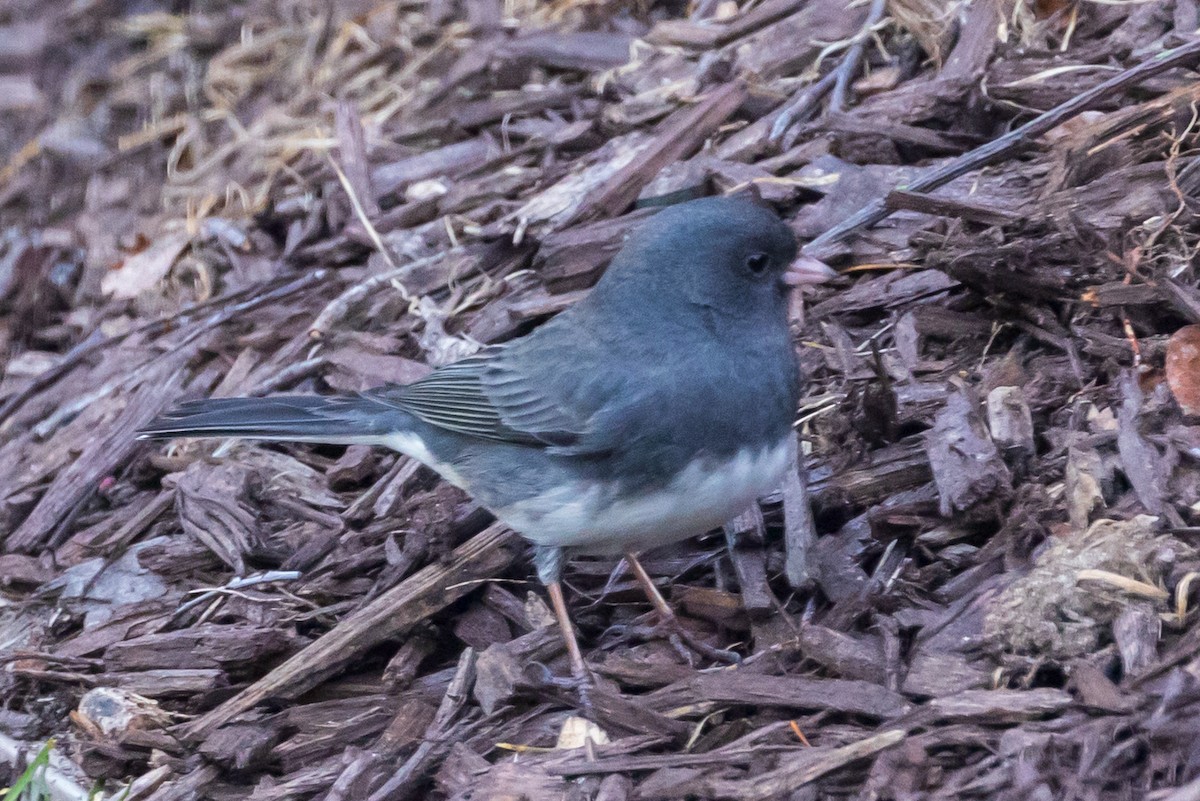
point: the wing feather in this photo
(490, 396)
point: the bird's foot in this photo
(670, 626)
(579, 685)
(682, 639)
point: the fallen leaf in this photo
(1183, 367)
(576, 731)
(143, 270)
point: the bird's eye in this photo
(757, 263)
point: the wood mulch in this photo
(994, 596)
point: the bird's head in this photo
(729, 255)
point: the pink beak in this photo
(806, 270)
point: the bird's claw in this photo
(538, 675)
(681, 639)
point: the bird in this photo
(656, 408)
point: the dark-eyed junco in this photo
(658, 407)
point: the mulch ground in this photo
(995, 595)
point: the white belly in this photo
(588, 519)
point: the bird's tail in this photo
(294, 418)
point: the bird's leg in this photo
(549, 567)
(659, 602)
(670, 622)
(578, 666)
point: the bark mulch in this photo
(994, 596)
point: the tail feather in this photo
(296, 418)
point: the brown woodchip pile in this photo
(289, 195)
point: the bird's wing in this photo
(517, 393)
